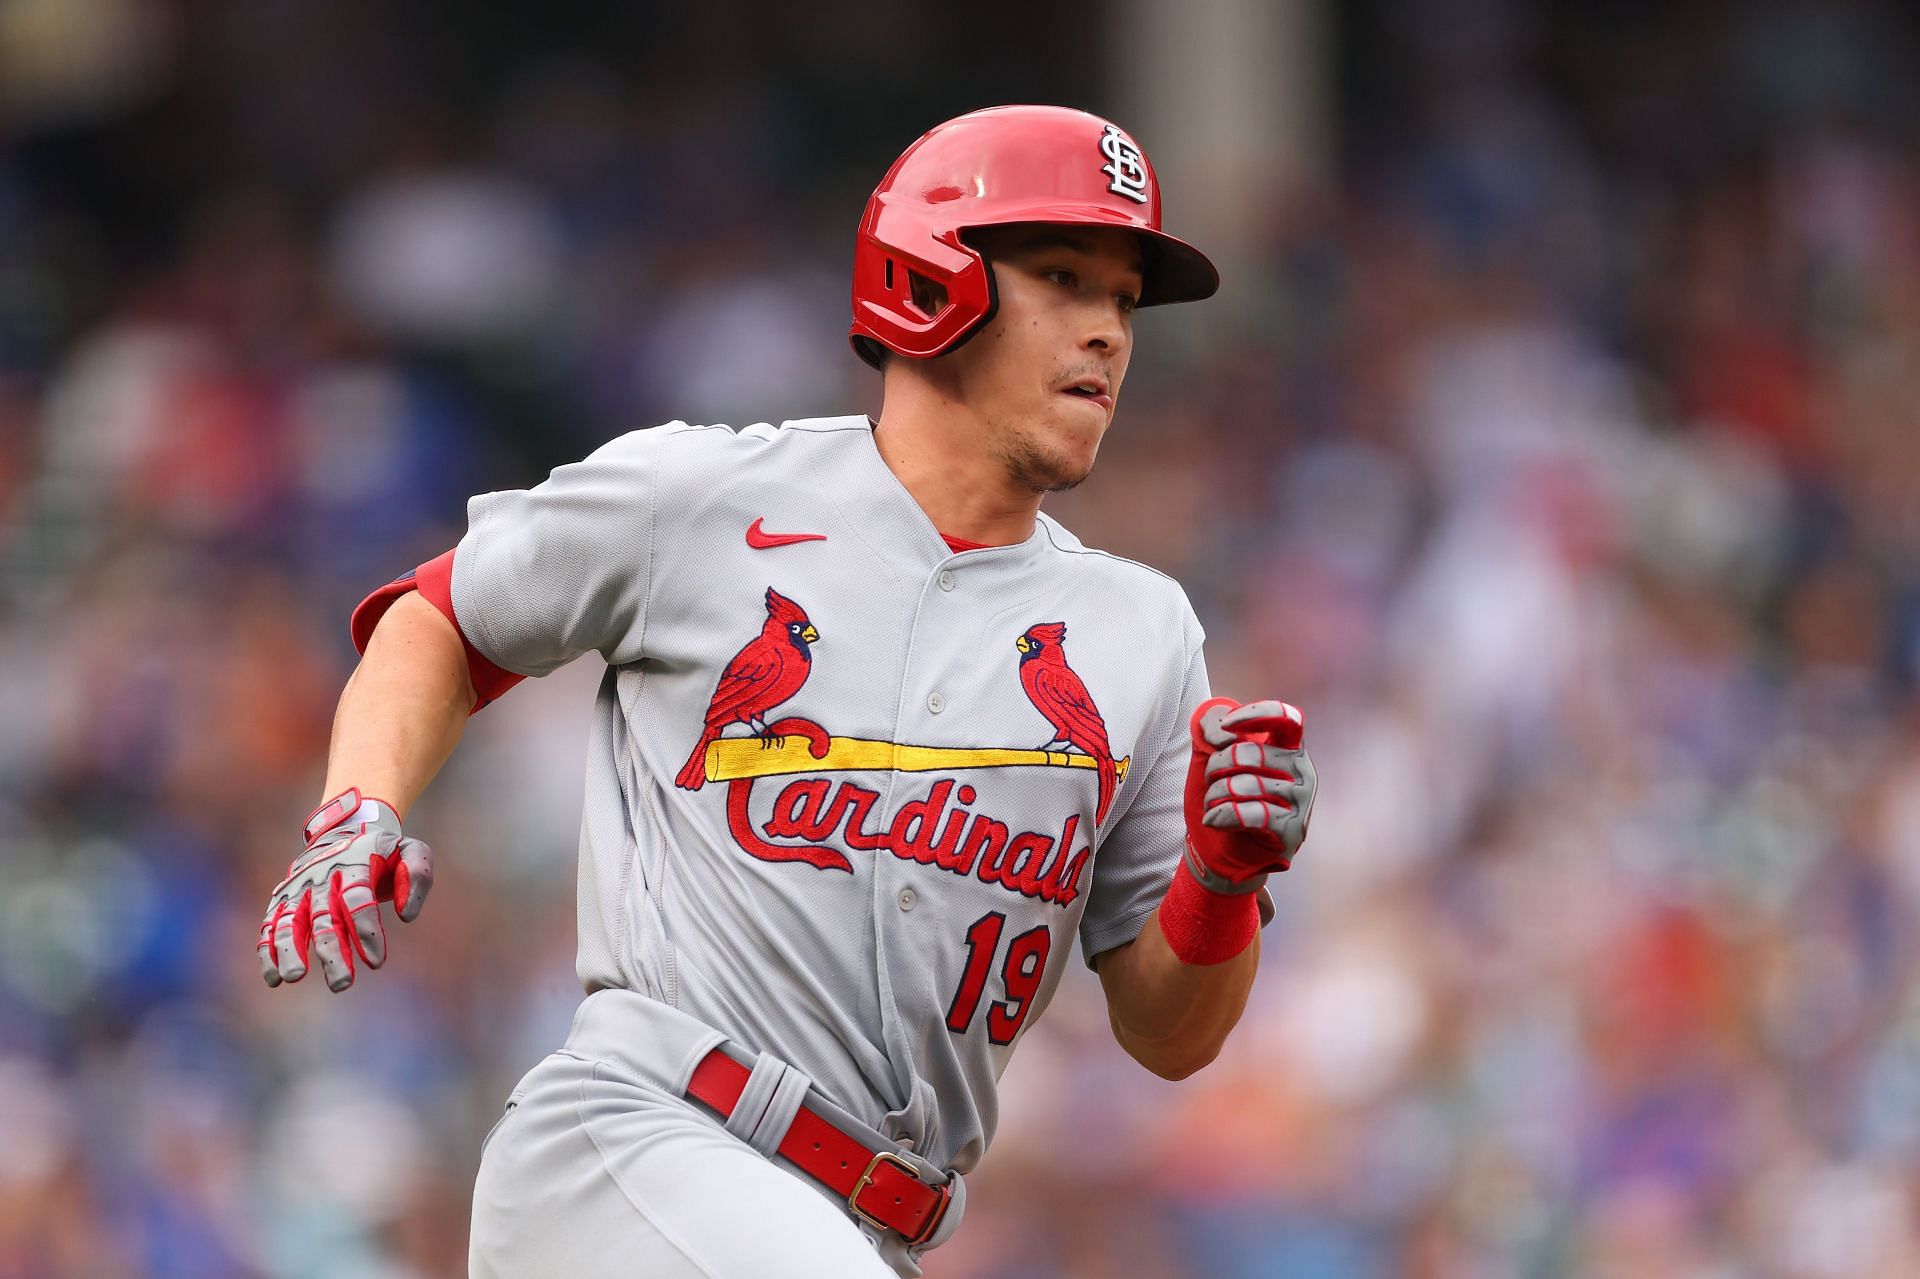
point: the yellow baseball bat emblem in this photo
(735, 757)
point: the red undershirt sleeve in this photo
(434, 581)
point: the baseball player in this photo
(877, 739)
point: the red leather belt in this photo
(879, 1186)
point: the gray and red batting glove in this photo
(328, 906)
(1248, 797)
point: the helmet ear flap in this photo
(919, 305)
(988, 311)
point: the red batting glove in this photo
(329, 903)
(1249, 793)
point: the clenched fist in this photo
(1249, 793)
(329, 904)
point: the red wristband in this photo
(1205, 927)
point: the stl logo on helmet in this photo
(1125, 165)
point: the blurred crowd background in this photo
(1555, 443)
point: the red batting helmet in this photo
(990, 168)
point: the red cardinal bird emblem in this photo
(769, 670)
(1057, 693)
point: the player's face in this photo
(1045, 372)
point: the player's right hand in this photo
(328, 906)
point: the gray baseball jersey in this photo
(849, 792)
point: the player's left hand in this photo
(1250, 790)
(328, 906)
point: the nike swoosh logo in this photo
(759, 539)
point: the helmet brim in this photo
(1174, 270)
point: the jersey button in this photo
(946, 580)
(936, 703)
(908, 898)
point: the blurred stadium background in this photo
(1555, 442)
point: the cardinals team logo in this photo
(1057, 693)
(813, 819)
(1125, 165)
(768, 671)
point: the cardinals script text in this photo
(925, 830)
